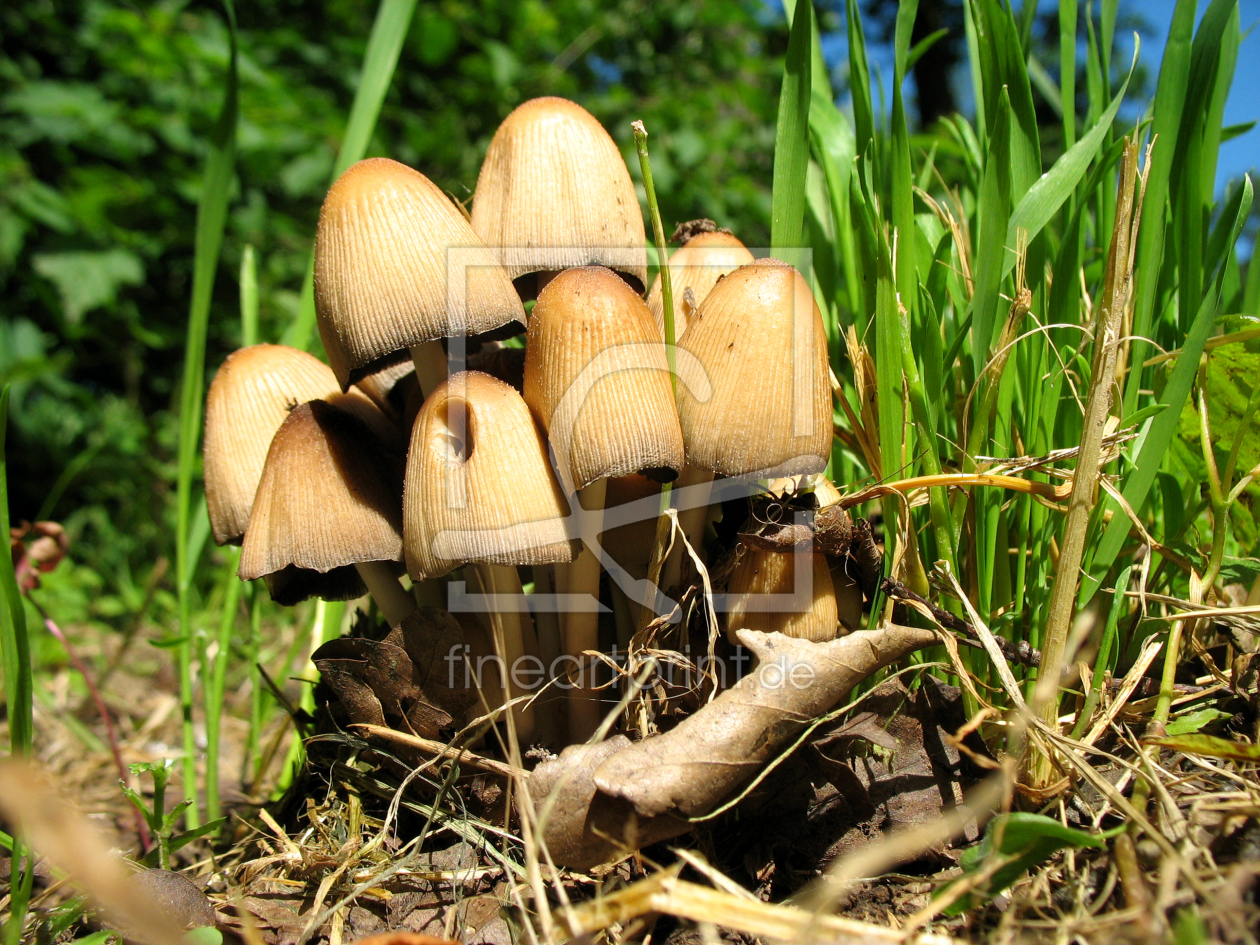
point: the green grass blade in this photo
(1004, 72)
(832, 145)
(1162, 430)
(216, 678)
(1251, 290)
(1215, 119)
(991, 245)
(1189, 210)
(820, 82)
(393, 19)
(1044, 198)
(902, 176)
(14, 643)
(249, 298)
(211, 220)
(791, 140)
(859, 81)
(1067, 68)
(1170, 100)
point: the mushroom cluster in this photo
(431, 459)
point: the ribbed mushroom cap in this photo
(381, 269)
(760, 573)
(330, 498)
(759, 336)
(554, 179)
(597, 379)
(250, 396)
(694, 270)
(479, 487)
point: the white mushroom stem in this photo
(394, 602)
(581, 628)
(513, 635)
(430, 361)
(699, 483)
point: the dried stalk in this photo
(1109, 314)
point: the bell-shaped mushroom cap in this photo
(759, 337)
(804, 610)
(597, 378)
(554, 193)
(381, 266)
(250, 396)
(694, 270)
(479, 486)
(330, 498)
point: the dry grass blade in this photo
(666, 893)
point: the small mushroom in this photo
(759, 336)
(554, 193)
(382, 253)
(250, 396)
(694, 269)
(479, 490)
(791, 593)
(597, 378)
(327, 519)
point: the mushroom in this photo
(554, 193)
(382, 256)
(249, 398)
(759, 336)
(597, 379)
(479, 490)
(694, 269)
(327, 519)
(766, 593)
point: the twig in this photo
(1019, 652)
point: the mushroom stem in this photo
(430, 361)
(395, 603)
(513, 635)
(581, 628)
(691, 520)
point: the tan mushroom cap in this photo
(479, 486)
(694, 270)
(809, 613)
(597, 378)
(759, 337)
(250, 396)
(554, 180)
(381, 263)
(330, 497)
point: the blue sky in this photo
(1237, 157)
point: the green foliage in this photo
(1012, 845)
(160, 820)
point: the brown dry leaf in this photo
(583, 826)
(616, 795)
(696, 766)
(401, 677)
